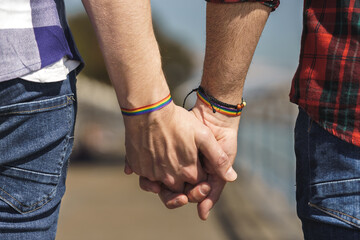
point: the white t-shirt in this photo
(55, 72)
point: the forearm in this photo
(232, 33)
(125, 33)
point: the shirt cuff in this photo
(273, 4)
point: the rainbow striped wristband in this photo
(233, 111)
(148, 108)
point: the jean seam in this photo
(334, 181)
(68, 137)
(30, 171)
(69, 99)
(329, 212)
(26, 206)
(25, 212)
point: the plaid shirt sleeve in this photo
(273, 4)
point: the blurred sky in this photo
(276, 56)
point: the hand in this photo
(225, 130)
(163, 147)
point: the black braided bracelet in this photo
(217, 105)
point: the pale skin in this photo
(163, 147)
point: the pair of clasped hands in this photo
(183, 156)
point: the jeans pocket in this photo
(334, 179)
(35, 141)
(338, 199)
(26, 190)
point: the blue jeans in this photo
(328, 183)
(36, 137)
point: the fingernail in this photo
(204, 189)
(231, 175)
(177, 202)
(207, 215)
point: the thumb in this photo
(216, 160)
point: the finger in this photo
(197, 193)
(205, 166)
(202, 175)
(188, 187)
(194, 175)
(127, 168)
(204, 207)
(171, 199)
(215, 157)
(149, 186)
(175, 184)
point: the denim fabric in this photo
(328, 182)
(36, 137)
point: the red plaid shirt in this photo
(327, 81)
(270, 3)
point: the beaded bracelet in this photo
(217, 105)
(148, 108)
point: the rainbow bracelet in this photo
(231, 110)
(148, 108)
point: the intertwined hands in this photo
(183, 156)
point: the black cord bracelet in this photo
(217, 105)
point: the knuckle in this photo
(190, 175)
(223, 160)
(168, 180)
(205, 133)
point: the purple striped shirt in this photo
(33, 35)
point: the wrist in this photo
(224, 90)
(205, 112)
(152, 118)
(218, 106)
(137, 93)
(147, 108)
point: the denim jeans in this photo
(36, 137)
(328, 182)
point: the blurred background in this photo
(102, 203)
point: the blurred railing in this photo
(266, 145)
(261, 203)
